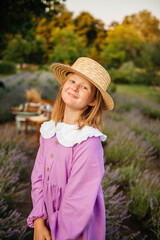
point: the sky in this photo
(113, 10)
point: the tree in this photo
(20, 50)
(92, 30)
(113, 24)
(150, 56)
(150, 60)
(122, 44)
(17, 50)
(19, 16)
(67, 46)
(37, 52)
(46, 28)
(145, 25)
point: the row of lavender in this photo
(13, 170)
(132, 179)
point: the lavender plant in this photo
(125, 148)
(13, 165)
(12, 226)
(116, 205)
(155, 216)
(133, 148)
(145, 196)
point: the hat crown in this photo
(92, 70)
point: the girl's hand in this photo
(41, 232)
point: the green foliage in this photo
(7, 67)
(37, 51)
(67, 46)
(135, 40)
(20, 12)
(113, 56)
(125, 74)
(20, 16)
(112, 88)
(146, 25)
(150, 56)
(122, 44)
(17, 50)
(90, 29)
(129, 74)
(20, 50)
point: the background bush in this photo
(7, 67)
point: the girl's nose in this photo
(75, 87)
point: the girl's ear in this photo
(92, 103)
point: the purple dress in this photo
(66, 182)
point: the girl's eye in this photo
(72, 81)
(84, 87)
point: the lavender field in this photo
(131, 182)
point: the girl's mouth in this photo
(71, 95)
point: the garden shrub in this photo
(112, 88)
(7, 67)
(125, 74)
(157, 80)
(129, 74)
(144, 78)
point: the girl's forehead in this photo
(79, 78)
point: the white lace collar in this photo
(68, 135)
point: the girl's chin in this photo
(74, 107)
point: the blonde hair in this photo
(92, 116)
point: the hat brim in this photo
(60, 72)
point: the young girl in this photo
(67, 196)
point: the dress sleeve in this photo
(81, 191)
(39, 208)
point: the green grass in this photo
(145, 92)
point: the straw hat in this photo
(90, 70)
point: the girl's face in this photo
(78, 93)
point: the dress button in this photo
(51, 155)
(56, 142)
(47, 169)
